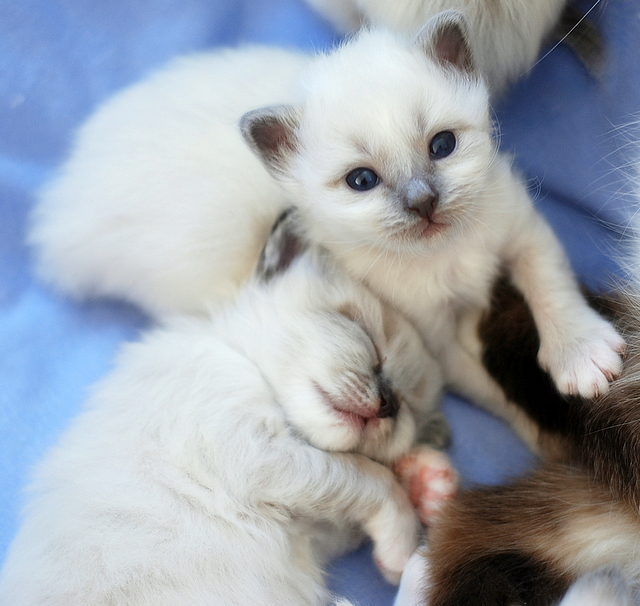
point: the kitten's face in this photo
(336, 388)
(393, 159)
(392, 144)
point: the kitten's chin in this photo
(419, 236)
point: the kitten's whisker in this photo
(557, 44)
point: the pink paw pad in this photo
(429, 478)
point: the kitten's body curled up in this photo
(195, 476)
(393, 169)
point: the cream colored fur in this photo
(161, 202)
(605, 588)
(506, 35)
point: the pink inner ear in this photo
(273, 137)
(451, 47)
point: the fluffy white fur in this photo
(506, 35)
(198, 472)
(438, 269)
(161, 202)
(604, 588)
(159, 212)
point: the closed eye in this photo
(353, 314)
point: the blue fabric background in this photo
(571, 135)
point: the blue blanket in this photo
(59, 58)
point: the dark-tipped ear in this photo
(445, 38)
(284, 244)
(271, 132)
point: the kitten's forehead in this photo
(380, 94)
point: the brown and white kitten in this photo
(527, 542)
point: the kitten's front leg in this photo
(394, 531)
(579, 348)
(351, 487)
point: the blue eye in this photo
(442, 145)
(362, 179)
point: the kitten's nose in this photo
(389, 405)
(424, 207)
(421, 198)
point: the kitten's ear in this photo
(271, 132)
(284, 244)
(445, 38)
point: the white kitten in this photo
(506, 35)
(195, 475)
(387, 151)
(394, 169)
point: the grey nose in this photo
(423, 207)
(421, 198)
(389, 405)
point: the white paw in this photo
(585, 364)
(394, 530)
(429, 478)
(415, 580)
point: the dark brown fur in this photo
(526, 542)
(581, 35)
(522, 543)
(602, 434)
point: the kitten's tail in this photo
(526, 543)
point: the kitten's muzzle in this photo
(389, 405)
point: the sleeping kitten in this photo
(392, 168)
(225, 459)
(506, 35)
(526, 542)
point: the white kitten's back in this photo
(152, 203)
(506, 34)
